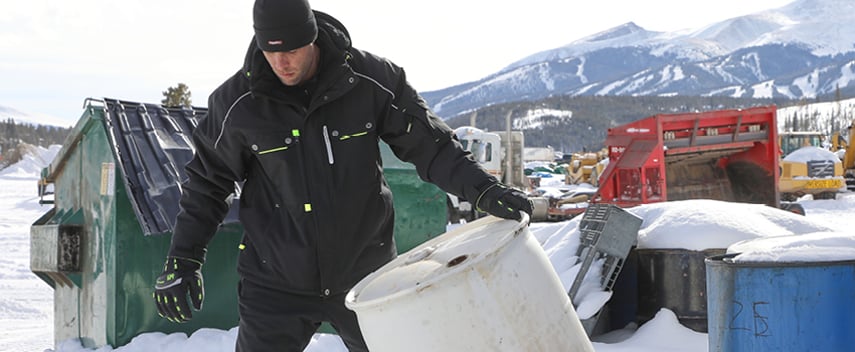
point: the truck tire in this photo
(794, 208)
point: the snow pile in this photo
(541, 118)
(805, 154)
(652, 337)
(30, 166)
(560, 241)
(691, 225)
(203, 340)
(26, 302)
(704, 224)
(813, 247)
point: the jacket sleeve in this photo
(207, 192)
(418, 136)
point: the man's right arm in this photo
(205, 199)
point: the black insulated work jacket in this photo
(314, 204)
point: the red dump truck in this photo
(728, 155)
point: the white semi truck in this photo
(500, 153)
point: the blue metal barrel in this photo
(773, 306)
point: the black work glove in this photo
(504, 202)
(180, 277)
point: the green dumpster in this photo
(114, 187)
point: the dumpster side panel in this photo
(140, 260)
(420, 212)
(97, 190)
(82, 311)
(420, 209)
(67, 315)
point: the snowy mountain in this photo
(803, 50)
(23, 117)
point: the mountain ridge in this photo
(802, 50)
(18, 116)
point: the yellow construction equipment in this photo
(808, 168)
(791, 141)
(586, 167)
(843, 143)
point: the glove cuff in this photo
(480, 196)
(186, 262)
(195, 254)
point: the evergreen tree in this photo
(177, 96)
(16, 135)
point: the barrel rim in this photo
(679, 250)
(722, 260)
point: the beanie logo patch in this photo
(274, 42)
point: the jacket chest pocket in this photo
(352, 151)
(277, 154)
(274, 143)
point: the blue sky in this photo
(54, 54)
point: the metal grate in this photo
(607, 232)
(820, 168)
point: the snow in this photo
(478, 89)
(822, 25)
(812, 247)
(763, 89)
(534, 118)
(822, 113)
(805, 154)
(671, 73)
(847, 74)
(705, 224)
(737, 91)
(819, 24)
(759, 232)
(610, 87)
(810, 22)
(26, 303)
(32, 119)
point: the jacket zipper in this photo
(329, 146)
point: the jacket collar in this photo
(334, 42)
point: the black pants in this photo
(272, 320)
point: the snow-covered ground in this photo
(26, 303)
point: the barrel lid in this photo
(816, 248)
(441, 257)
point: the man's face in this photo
(295, 66)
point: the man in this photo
(299, 124)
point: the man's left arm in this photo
(418, 136)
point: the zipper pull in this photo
(329, 145)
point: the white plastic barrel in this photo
(483, 286)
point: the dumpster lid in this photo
(152, 143)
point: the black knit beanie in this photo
(283, 25)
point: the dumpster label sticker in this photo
(108, 177)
